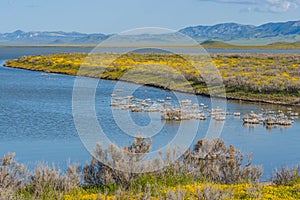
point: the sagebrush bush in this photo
(13, 176)
(208, 161)
(121, 165)
(48, 182)
(214, 161)
(287, 176)
(16, 182)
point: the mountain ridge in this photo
(231, 33)
(50, 37)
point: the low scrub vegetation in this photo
(269, 77)
(287, 176)
(210, 170)
(16, 182)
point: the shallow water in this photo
(36, 120)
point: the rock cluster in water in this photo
(271, 118)
(187, 110)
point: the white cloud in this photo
(282, 5)
(265, 5)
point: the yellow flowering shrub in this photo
(194, 191)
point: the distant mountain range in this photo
(227, 32)
(51, 37)
(230, 32)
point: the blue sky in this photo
(113, 16)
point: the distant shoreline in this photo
(205, 45)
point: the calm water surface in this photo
(36, 119)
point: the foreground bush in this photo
(218, 163)
(13, 177)
(98, 174)
(50, 183)
(209, 160)
(287, 176)
(16, 182)
(209, 171)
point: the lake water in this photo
(36, 119)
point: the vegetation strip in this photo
(208, 44)
(211, 170)
(265, 78)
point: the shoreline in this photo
(203, 94)
(205, 46)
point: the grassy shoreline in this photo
(210, 44)
(260, 78)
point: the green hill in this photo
(216, 44)
(275, 45)
(285, 44)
